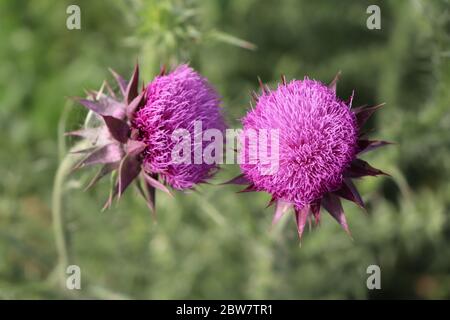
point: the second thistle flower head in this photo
(319, 139)
(135, 138)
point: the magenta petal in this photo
(348, 191)
(106, 154)
(301, 217)
(333, 205)
(280, 208)
(132, 89)
(118, 128)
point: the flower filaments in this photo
(176, 101)
(319, 141)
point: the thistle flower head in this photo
(319, 141)
(175, 101)
(135, 135)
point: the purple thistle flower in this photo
(319, 141)
(173, 102)
(135, 139)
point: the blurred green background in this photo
(217, 244)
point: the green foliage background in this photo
(217, 244)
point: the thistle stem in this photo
(59, 224)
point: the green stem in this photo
(59, 226)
